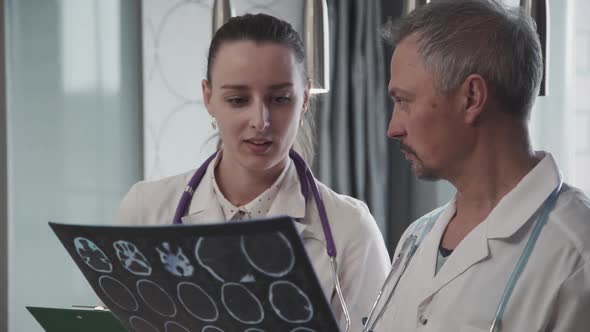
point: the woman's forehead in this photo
(248, 61)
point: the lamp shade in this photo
(539, 11)
(410, 5)
(316, 42)
(222, 12)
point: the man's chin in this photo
(424, 174)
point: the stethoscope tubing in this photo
(524, 257)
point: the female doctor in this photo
(257, 92)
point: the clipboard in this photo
(76, 320)
(250, 276)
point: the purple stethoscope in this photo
(308, 182)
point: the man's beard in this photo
(418, 168)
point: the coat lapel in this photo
(211, 214)
(424, 261)
(290, 201)
(472, 250)
(204, 206)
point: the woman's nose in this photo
(260, 118)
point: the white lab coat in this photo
(553, 292)
(363, 261)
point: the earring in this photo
(213, 124)
(301, 123)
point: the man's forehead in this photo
(406, 54)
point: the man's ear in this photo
(206, 86)
(474, 93)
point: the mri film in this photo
(250, 276)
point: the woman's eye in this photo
(281, 99)
(236, 101)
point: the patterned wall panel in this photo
(176, 36)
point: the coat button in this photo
(423, 320)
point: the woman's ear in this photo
(306, 96)
(206, 86)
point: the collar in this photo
(288, 201)
(257, 208)
(523, 201)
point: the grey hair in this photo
(457, 38)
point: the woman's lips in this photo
(258, 146)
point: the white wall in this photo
(552, 115)
(176, 36)
(3, 184)
(581, 99)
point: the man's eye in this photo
(400, 102)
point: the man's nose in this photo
(396, 128)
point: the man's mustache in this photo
(406, 149)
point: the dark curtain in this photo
(354, 155)
(399, 179)
(353, 116)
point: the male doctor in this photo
(464, 76)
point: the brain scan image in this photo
(175, 261)
(91, 254)
(132, 259)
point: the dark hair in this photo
(459, 38)
(260, 28)
(263, 28)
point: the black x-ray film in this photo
(234, 276)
